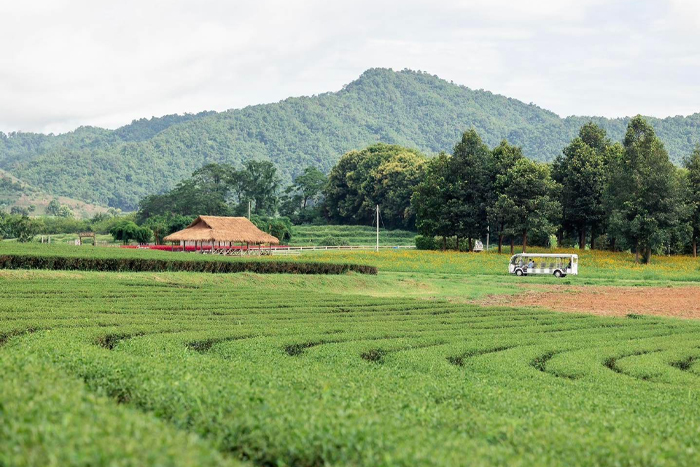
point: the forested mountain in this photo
(413, 109)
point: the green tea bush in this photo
(198, 370)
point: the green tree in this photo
(692, 164)
(499, 210)
(581, 171)
(642, 191)
(53, 207)
(301, 200)
(430, 200)
(470, 186)
(65, 211)
(395, 180)
(260, 183)
(357, 184)
(142, 235)
(19, 210)
(124, 231)
(529, 200)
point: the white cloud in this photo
(66, 63)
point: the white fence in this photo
(295, 250)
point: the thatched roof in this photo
(222, 229)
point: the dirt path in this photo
(679, 302)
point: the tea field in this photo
(312, 235)
(198, 369)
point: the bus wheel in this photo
(558, 274)
(519, 272)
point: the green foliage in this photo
(461, 195)
(528, 202)
(314, 235)
(280, 227)
(302, 200)
(164, 224)
(53, 207)
(470, 185)
(18, 210)
(430, 199)
(642, 192)
(499, 211)
(124, 231)
(426, 243)
(692, 165)
(582, 173)
(60, 225)
(19, 227)
(334, 241)
(218, 190)
(381, 174)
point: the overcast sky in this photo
(68, 63)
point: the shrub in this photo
(426, 243)
(159, 265)
(333, 241)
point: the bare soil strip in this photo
(678, 302)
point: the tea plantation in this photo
(193, 369)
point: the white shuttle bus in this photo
(557, 264)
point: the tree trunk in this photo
(593, 232)
(444, 243)
(560, 236)
(695, 248)
(500, 243)
(582, 238)
(636, 252)
(525, 241)
(457, 243)
(512, 245)
(471, 244)
(612, 245)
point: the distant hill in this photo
(415, 109)
(14, 192)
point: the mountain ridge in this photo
(415, 109)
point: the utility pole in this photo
(488, 232)
(248, 209)
(377, 228)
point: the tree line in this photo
(619, 196)
(598, 193)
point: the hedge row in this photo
(159, 265)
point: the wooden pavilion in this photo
(224, 236)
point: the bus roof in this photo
(546, 255)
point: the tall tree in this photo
(304, 193)
(470, 185)
(395, 180)
(529, 199)
(430, 200)
(504, 158)
(692, 164)
(581, 171)
(261, 183)
(642, 190)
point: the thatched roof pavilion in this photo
(214, 229)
